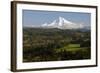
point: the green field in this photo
(71, 47)
(55, 45)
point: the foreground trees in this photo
(55, 44)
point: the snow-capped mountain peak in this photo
(60, 21)
(63, 24)
(64, 20)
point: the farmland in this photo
(53, 44)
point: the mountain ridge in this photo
(60, 23)
(63, 24)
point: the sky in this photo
(37, 18)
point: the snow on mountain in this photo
(63, 24)
(60, 21)
(53, 24)
(45, 24)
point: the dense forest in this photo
(53, 44)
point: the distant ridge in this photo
(60, 23)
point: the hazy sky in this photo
(35, 17)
